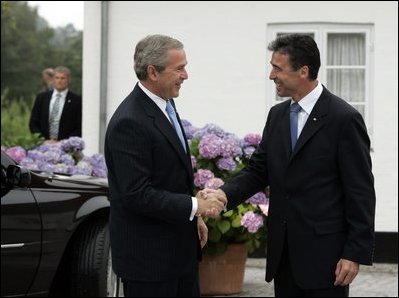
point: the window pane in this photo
(346, 49)
(347, 83)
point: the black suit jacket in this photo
(321, 195)
(151, 184)
(71, 117)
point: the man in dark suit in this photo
(316, 160)
(57, 114)
(156, 238)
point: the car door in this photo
(20, 236)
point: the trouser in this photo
(184, 286)
(285, 285)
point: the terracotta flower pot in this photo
(223, 274)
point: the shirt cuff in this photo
(194, 209)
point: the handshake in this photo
(211, 202)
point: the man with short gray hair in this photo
(156, 237)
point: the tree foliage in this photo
(15, 115)
(28, 45)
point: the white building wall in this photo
(228, 67)
(91, 76)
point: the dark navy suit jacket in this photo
(321, 195)
(151, 184)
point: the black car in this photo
(54, 234)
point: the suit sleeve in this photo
(35, 119)
(358, 183)
(251, 179)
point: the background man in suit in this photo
(322, 199)
(155, 236)
(47, 79)
(57, 114)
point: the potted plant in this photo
(216, 156)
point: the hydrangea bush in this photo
(216, 156)
(64, 157)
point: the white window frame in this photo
(320, 32)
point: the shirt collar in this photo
(160, 102)
(63, 92)
(308, 102)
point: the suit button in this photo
(284, 222)
(287, 197)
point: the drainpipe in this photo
(103, 74)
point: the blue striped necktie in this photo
(295, 108)
(172, 116)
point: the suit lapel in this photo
(166, 128)
(65, 109)
(316, 121)
(285, 131)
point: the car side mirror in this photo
(18, 176)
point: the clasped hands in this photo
(211, 202)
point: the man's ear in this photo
(304, 71)
(152, 73)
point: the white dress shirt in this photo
(307, 103)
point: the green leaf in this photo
(223, 226)
(228, 213)
(214, 235)
(236, 222)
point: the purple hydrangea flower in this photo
(193, 161)
(230, 146)
(72, 144)
(209, 146)
(199, 133)
(47, 167)
(87, 168)
(52, 156)
(201, 177)
(17, 153)
(62, 168)
(185, 122)
(214, 183)
(49, 147)
(253, 139)
(190, 131)
(214, 129)
(67, 159)
(226, 163)
(97, 172)
(248, 151)
(258, 198)
(97, 162)
(29, 163)
(252, 221)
